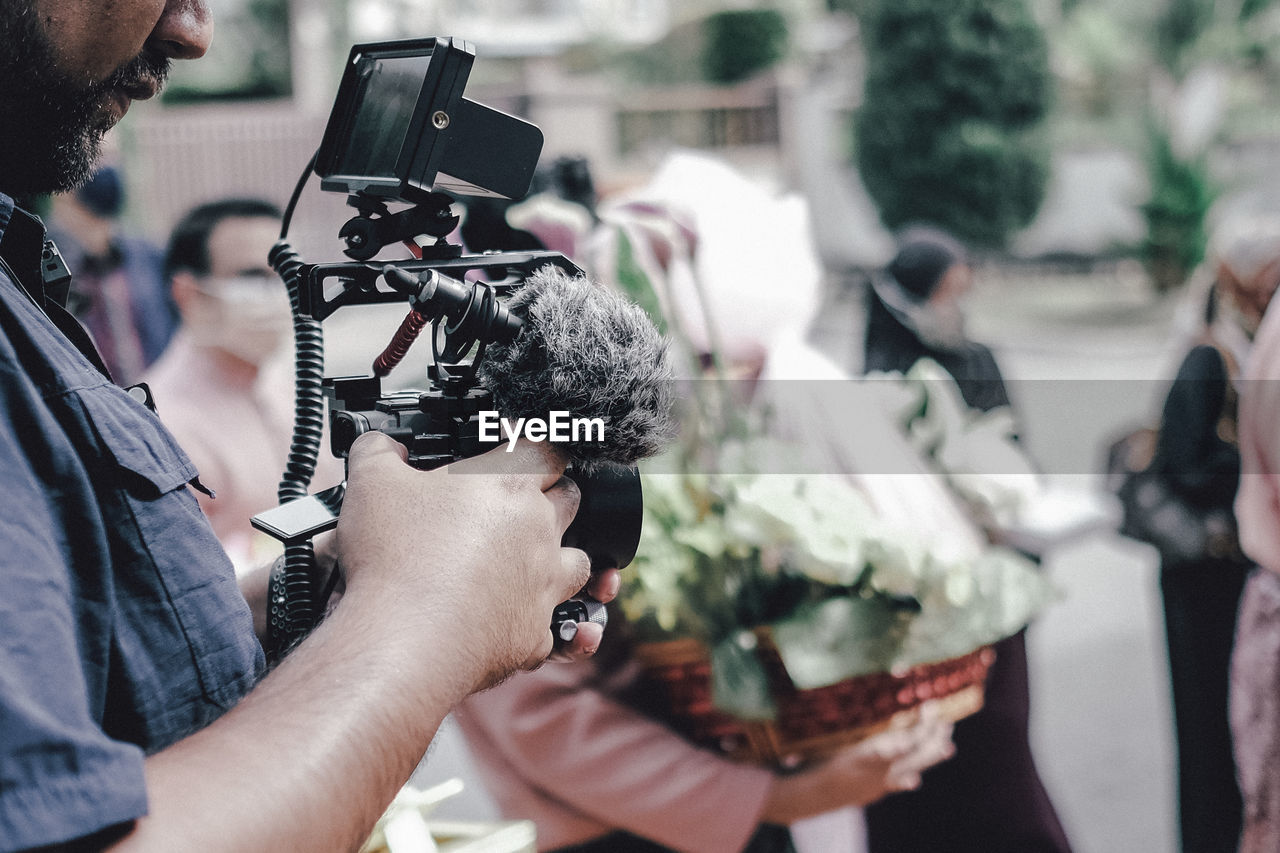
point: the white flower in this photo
(826, 522)
(899, 565)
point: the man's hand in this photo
(451, 579)
(603, 587)
(474, 547)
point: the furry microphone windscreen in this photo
(587, 351)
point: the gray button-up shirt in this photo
(121, 626)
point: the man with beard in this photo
(132, 713)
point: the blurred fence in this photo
(180, 157)
(700, 117)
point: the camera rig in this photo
(400, 132)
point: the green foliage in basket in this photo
(843, 592)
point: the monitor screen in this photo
(387, 93)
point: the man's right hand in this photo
(471, 550)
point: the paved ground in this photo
(1081, 354)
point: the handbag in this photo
(1153, 512)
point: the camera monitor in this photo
(400, 128)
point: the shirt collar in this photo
(22, 238)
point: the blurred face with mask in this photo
(237, 309)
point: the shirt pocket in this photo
(184, 637)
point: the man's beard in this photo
(51, 127)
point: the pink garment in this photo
(237, 436)
(559, 747)
(1255, 660)
(1258, 500)
(1255, 711)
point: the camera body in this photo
(440, 425)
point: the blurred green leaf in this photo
(739, 684)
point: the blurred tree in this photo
(1178, 29)
(1187, 107)
(1181, 195)
(856, 8)
(949, 129)
(740, 43)
(723, 47)
(268, 25)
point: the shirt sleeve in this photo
(597, 756)
(61, 776)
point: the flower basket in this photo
(813, 723)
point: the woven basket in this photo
(810, 724)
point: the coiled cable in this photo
(410, 327)
(294, 603)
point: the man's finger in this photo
(604, 585)
(577, 571)
(374, 448)
(540, 462)
(565, 496)
(584, 643)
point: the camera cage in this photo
(401, 131)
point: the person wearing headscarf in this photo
(915, 310)
(1198, 456)
(586, 754)
(990, 798)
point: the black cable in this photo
(297, 193)
(308, 423)
(293, 603)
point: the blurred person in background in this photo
(648, 789)
(651, 790)
(915, 310)
(1254, 699)
(118, 290)
(224, 387)
(1197, 456)
(990, 798)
